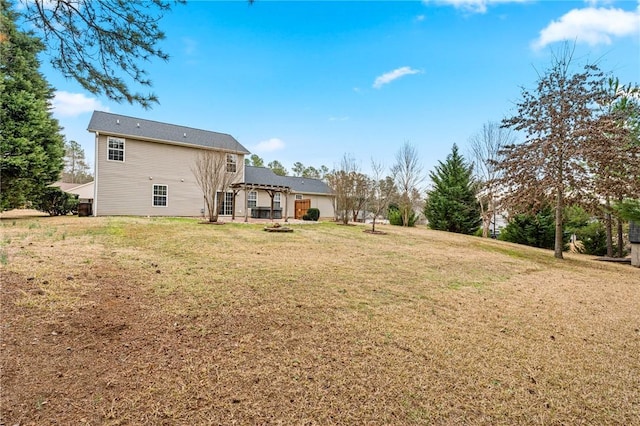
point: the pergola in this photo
(270, 189)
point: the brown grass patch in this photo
(162, 321)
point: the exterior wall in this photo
(321, 202)
(126, 188)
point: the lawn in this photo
(118, 321)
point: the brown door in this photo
(301, 208)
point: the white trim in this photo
(95, 176)
(249, 200)
(116, 149)
(153, 195)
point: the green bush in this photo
(57, 202)
(312, 214)
(593, 238)
(395, 217)
(535, 230)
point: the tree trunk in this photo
(559, 241)
(609, 230)
(620, 239)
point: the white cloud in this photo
(270, 145)
(67, 104)
(393, 75)
(590, 25)
(420, 18)
(476, 6)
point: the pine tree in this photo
(76, 168)
(30, 139)
(452, 204)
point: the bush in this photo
(593, 238)
(535, 230)
(312, 214)
(395, 217)
(57, 202)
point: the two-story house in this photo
(145, 168)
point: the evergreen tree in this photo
(76, 168)
(30, 139)
(452, 204)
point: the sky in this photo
(311, 81)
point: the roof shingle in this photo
(122, 125)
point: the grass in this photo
(168, 321)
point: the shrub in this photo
(395, 217)
(57, 202)
(312, 214)
(536, 230)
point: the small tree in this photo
(408, 177)
(485, 148)
(382, 190)
(343, 182)
(452, 204)
(213, 174)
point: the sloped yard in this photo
(165, 321)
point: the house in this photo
(144, 168)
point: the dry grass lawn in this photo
(123, 321)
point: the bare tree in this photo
(548, 167)
(214, 174)
(485, 147)
(382, 189)
(408, 178)
(344, 182)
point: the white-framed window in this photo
(115, 149)
(276, 200)
(252, 199)
(225, 200)
(232, 163)
(160, 195)
(298, 196)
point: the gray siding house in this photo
(144, 168)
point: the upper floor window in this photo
(115, 149)
(232, 163)
(252, 199)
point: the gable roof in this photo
(138, 128)
(265, 176)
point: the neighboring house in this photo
(84, 192)
(144, 168)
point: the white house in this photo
(144, 168)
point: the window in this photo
(115, 149)
(252, 199)
(298, 196)
(225, 200)
(232, 162)
(276, 200)
(160, 195)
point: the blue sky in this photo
(311, 81)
